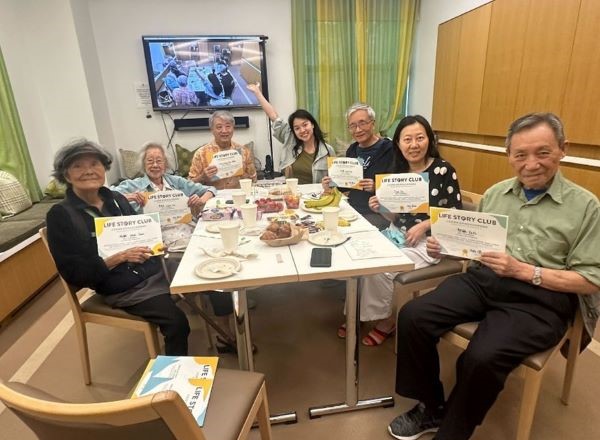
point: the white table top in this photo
(295, 265)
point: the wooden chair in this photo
(532, 369)
(237, 399)
(95, 310)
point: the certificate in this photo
(467, 234)
(229, 163)
(345, 172)
(403, 193)
(115, 234)
(172, 206)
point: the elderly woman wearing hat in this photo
(131, 279)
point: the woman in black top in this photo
(130, 279)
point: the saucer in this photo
(216, 268)
(253, 230)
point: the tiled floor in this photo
(294, 327)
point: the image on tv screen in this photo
(187, 73)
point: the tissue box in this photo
(217, 214)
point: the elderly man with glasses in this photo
(375, 153)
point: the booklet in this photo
(403, 193)
(191, 377)
(228, 162)
(171, 205)
(467, 234)
(345, 172)
(116, 234)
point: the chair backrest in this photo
(470, 200)
(70, 290)
(161, 416)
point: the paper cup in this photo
(230, 234)
(239, 198)
(249, 211)
(292, 185)
(246, 186)
(330, 217)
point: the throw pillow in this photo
(13, 197)
(131, 166)
(55, 189)
(184, 159)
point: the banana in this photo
(324, 200)
(337, 197)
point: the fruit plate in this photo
(327, 238)
(216, 268)
(318, 210)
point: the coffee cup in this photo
(330, 217)
(246, 186)
(292, 184)
(249, 212)
(230, 234)
(239, 198)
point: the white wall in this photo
(73, 63)
(422, 76)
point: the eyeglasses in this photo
(154, 162)
(359, 124)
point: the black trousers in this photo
(517, 320)
(172, 322)
(221, 302)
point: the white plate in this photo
(343, 204)
(253, 230)
(349, 216)
(218, 268)
(213, 228)
(326, 238)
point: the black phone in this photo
(320, 257)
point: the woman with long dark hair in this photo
(304, 153)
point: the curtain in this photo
(14, 155)
(346, 51)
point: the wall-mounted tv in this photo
(204, 72)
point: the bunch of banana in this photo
(332, 198)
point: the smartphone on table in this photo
(320, 257)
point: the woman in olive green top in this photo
(304, 154)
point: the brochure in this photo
(115, 234)
(171, 205)
(403, 193)
(191, 377)
(467, 234)
(228, 162)
(345, 172)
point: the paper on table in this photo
(363, 249)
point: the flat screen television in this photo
(204, 72)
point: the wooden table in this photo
(278, 265)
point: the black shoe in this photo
(414, 423)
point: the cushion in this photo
(184, 159)
(131, 166)
(13, 197)
(55, 189)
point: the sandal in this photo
(377, 337)
(341, 331)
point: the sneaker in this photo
(414, 423)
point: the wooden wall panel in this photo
(478, 170)
(546, 56)
(503, 65)
(446, 65)
(471, 67)
(580, 111)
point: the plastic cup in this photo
(249, 211)
(292, 201)
(230, 234)
(330, 218)
(246, 186)
(292, 185)
(239, 198)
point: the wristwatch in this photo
(537, 276)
